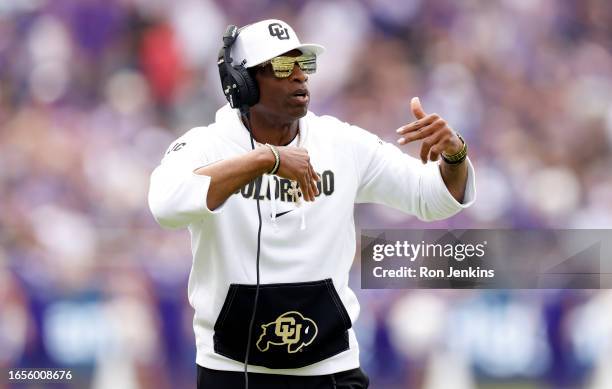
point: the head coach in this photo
(267, 192)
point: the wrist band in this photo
(459, 156)
(276, 159)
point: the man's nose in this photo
(298, 74)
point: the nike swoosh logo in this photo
(283, 213)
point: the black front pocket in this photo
(296, 324)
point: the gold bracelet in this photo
(276, 159)
(459, 156)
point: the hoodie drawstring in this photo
(272, 187)
(294, 193)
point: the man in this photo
(272, 252)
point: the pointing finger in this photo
(417, 109)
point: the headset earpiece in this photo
(239, 88)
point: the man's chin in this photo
(299, 111)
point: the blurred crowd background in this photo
(93, 91)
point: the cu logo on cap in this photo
(277, 30)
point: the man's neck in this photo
(272, 130)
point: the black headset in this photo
(239, 88)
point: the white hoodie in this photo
(356, 167)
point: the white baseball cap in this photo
(258, 42)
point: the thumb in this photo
(417, 109)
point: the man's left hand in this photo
(437, 136)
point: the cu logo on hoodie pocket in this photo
(296, 324)
(291, 329)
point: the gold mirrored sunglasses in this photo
(282, 66)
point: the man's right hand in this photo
(229, 175)
(295, 165)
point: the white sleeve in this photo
(391, 177)
(177, 196)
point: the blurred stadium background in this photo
(93, 91)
